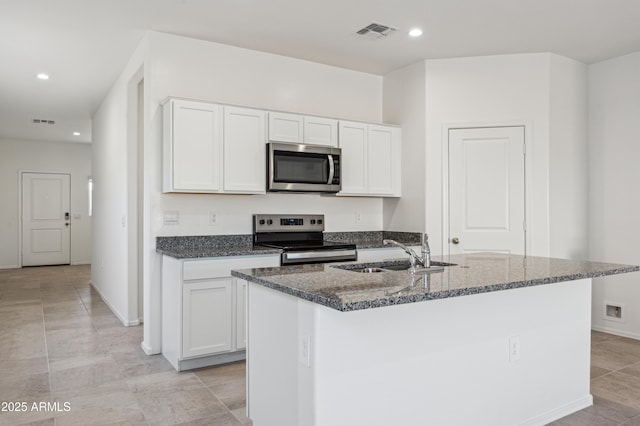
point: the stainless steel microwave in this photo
(303, 168)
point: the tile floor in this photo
(61, 345)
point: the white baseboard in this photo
(10, 267)
(82, 262)
(148, 349)
(122, 319)
(560, 412)
(616, 331)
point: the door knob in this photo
(455, 240)
(66, 224)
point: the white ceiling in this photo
(83, 44)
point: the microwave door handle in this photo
(331, 169)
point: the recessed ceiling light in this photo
(43, 76)
(416, 32)
(76, 133)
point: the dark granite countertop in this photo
(346, 290)
(192, 247)
(200, 246)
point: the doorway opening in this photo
(135, 195)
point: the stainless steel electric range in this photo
(301, 239)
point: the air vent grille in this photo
(376, 30)
(41, 121)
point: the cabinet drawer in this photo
(221, 267)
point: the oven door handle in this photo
(318, 256)
(331, 169)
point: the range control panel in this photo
(288, 223)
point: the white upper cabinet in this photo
(320, 131)
(244, 150)
(305, 129)
(381, 159)
(192, 153)
(370, 159)
(211, 148)
(353, 143)
(284, 127)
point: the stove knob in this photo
(261, 222)
(313, 221)
(270, 222)
(319, 221)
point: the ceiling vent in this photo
(375, 30)
(40, 121)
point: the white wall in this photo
(197, 69)
(183, 67)
(404, 104)
(614, 173)
(190, 68)
(568, 165)
(544, 92)
(37, 156)
(109, 157)
(484, 91)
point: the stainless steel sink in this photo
(368, 270)
(390, 266)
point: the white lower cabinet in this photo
(203, 309)
(241, 314)
(206, 317)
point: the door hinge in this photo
(524, 148)
(524, 225)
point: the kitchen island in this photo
(492, 339)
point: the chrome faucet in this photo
(426, 251)
(424, 260)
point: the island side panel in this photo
(444, 362)
(447, 362)
(272, 357)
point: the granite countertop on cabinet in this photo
(373, 239)
(193, 247)
(336, 287)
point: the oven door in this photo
(303, 168)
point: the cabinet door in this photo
(206, 322)
(320, 131)
(244, 151)
(193, 140)
(353, 142)
(241, 314)
(380, 156)
(285, 127)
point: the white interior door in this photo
(487, 190)
(46, 219)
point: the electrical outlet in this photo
(171, 217)
(358, 217)
(212, 218)
(514, 348)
